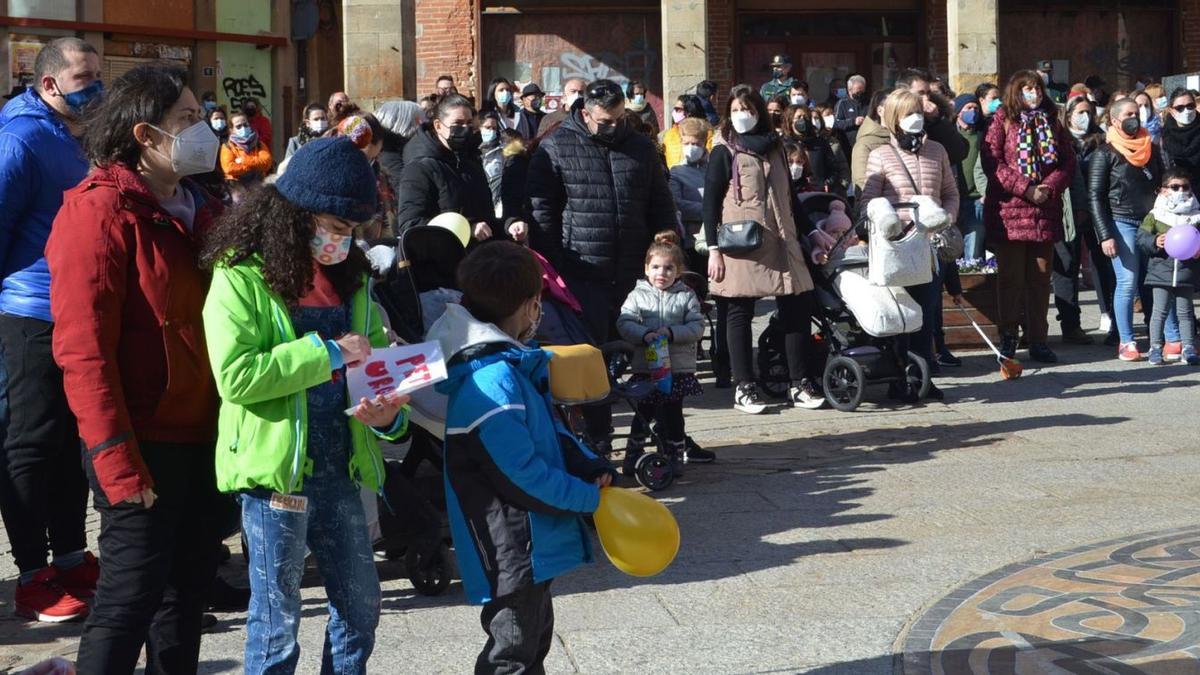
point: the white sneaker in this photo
(1105, 324)
(806, 396)
(747, 400)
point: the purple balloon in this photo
(1183, 242)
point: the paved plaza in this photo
(1042, 525)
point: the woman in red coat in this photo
(1029, 162)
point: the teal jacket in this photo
(263, 370)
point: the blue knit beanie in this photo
(330, 175)
(962, 101)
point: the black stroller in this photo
(851, 356)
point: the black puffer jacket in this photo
(595, 208)
(436, 180)
(1118, 189)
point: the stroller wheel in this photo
(917, 376)
(844, 383)
(653, 471)
(429, 575)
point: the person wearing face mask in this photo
(1148, 114)
(823, 121)
(530, 115)
(686, 107)
(135, 369)
(781, 78)
(913, 165)
(687, 183)
(989, 99)
(1029, 162)
(1123, 180)
(501, 99)
(1181, 133)
(748, 180)
(259, 121)
(1055, 90)
(968, 121)
(597, 194)
(775, 109)
(798, 93)
(1079, 118)
(443, 172)
(800, 127)
(43, 498)
(244, 157)
(639, 104)
(1172, 280)
(572, 96)
(871, 135)
(849, 113)
(940, 123)
(315, 124)
(289, 304)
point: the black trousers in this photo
(601, 302)
(158, 565)
(520, 630)
(795, 312)
(43, 492)
(669, 417)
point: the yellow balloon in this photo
(639, 535)
(456, 223)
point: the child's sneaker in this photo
(806, 395)
(694, 454)
(1156, 356)
(1190, 356)
(1128, 351)
(747, 400)
(1173, 351)
(634, 448)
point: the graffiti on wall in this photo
(238, 89)
(243, 72)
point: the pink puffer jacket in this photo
(1007, 215)
(929, 167)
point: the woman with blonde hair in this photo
(912, 166)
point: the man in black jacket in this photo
(597, 194)
(939, 114)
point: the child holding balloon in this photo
(518, 482)
(1169, 236)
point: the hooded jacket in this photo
(675, 308)
(436, 180)
(871, 135)
(39, 161)
(1164, 271)
(595, 207)
(517, 481)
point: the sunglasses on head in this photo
(1179, 187)
(1185, 106)
(603, 90)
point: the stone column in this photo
(971, 28)
(684, 48)
(378, 41)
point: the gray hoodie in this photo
(648, 309)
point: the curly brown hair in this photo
(269, 226)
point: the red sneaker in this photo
(44, 600)
(80, 580)
(1172, 351)
(1128, 352)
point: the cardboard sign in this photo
(396, 370)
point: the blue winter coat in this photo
(39, 160)
(517, 481)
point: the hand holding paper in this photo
(392, 373)
(380, 412)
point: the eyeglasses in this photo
(1185, 106)
(603, 90)
(1179, 187)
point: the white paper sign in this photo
(396, 370)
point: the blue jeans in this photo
(1127, 267)
(334, 527)
(970, 221)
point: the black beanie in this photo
(331, 175)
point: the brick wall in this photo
(446, 43)
(937, 58)
(720, 47)
(1189, 27)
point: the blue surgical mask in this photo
(1031, 97)
(970, 117)
(504, 97)
(487, 135)
(639, 99)
(841, 92)
(210, 106)
(78, 100)
(993, 105)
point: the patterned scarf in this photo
(1037, 148)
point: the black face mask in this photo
(777, 72)
(1130, 126)
(910, 142)
(606, 134)
(801, 127)
(459, 136)
(776, 118)
(250, 111)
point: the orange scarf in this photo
(1136, 150)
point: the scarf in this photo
(1174, 215)
(1181, 142)
(307, 134)
(1037, 147)
(1135, 150)
(248, 143)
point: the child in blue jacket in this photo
(517, 481)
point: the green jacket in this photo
(263, 371)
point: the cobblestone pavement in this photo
(819, 537)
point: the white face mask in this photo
(797, 171)
(318, 126)
(799, 99)
(1186, 117)
(1144, 114)
(913, 124)
(828, 119)
(1080, 121)
(193, 150)
(692, 153)
(1181, 202)
(569, 100)
(743, 121)
(218, 125)
(329, 248)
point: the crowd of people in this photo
(184, 307)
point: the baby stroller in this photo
(413, 293)
(856, 323)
